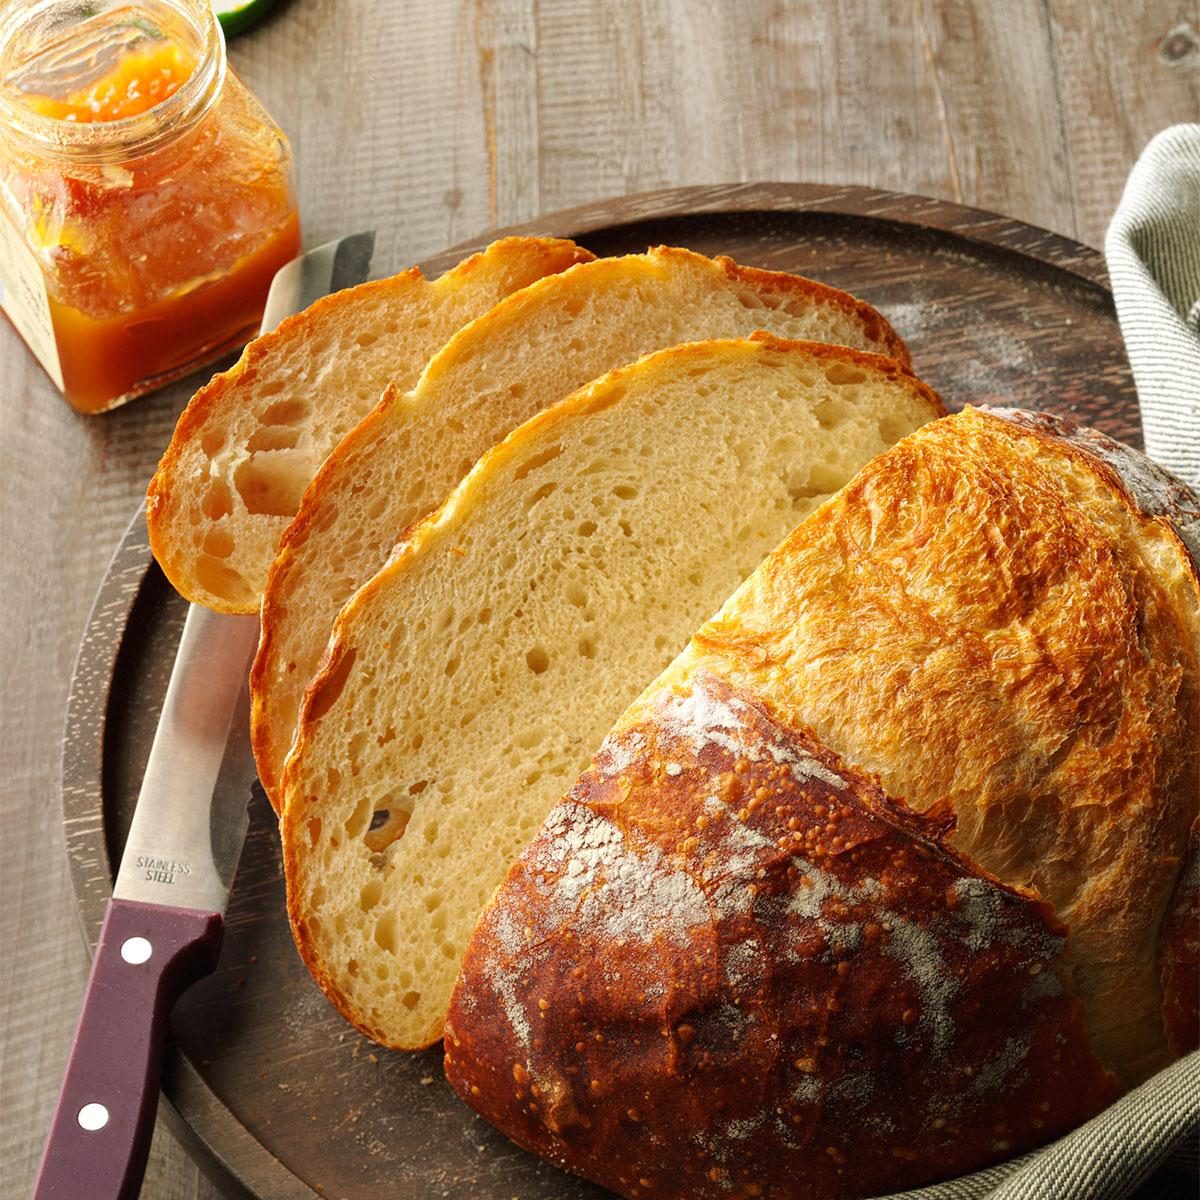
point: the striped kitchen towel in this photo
(1153, 252)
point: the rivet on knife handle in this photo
(147, 956)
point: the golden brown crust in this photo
(729, 965)
(790, 287)
(982, 616)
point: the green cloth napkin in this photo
(1153, 252)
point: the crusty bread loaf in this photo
(531, 351)
(253, 437)
(729, 965)
(469, 681)
(1001, 615)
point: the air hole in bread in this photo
(352, 968)
(825, 477)
(516, 390)
(586, 528)
(587, 647)
(215, 577)
(842, 373)
(218, 542)
(385, 932)
(325, 694)
(271, 485)
(388, 825)
(537, 460)
(626, 528)
(893, 427)
(366, 338)
(371, 894)
(314, 830)
(452, 666)
(273, 437)
(283, 412)
(212, 442)
(358, 820)
(537, 497)
(537, 660)
(410, 1000)
(574, 304)
(485, 615)
(625, 491)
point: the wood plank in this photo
(432, 122)
(1121, 78)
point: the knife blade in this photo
(163, 926)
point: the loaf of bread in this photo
(470, 681)
(530, 352)
(253, 437)
(730, 966)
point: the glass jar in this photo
(147, 196)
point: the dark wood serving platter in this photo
(280, 1098)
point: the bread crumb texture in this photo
(531, 351)
(729, 965)
(470, 681)
(251, 439)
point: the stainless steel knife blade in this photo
(191, 815)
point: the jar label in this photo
(23, 297)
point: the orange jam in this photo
(147, 196)
(139, 81)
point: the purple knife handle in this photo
(147, 956)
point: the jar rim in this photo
(124, 137)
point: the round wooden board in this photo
(277, 1094)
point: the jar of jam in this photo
(146, 195)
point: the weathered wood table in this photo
(435, 122)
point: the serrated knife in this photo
(163, 926)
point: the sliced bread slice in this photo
(531, 351)
(252, 438)
(471, 679)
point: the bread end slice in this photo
(251, 439)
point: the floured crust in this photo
(252, 437)
(985, 616)
(530, 351)
(729, 964)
